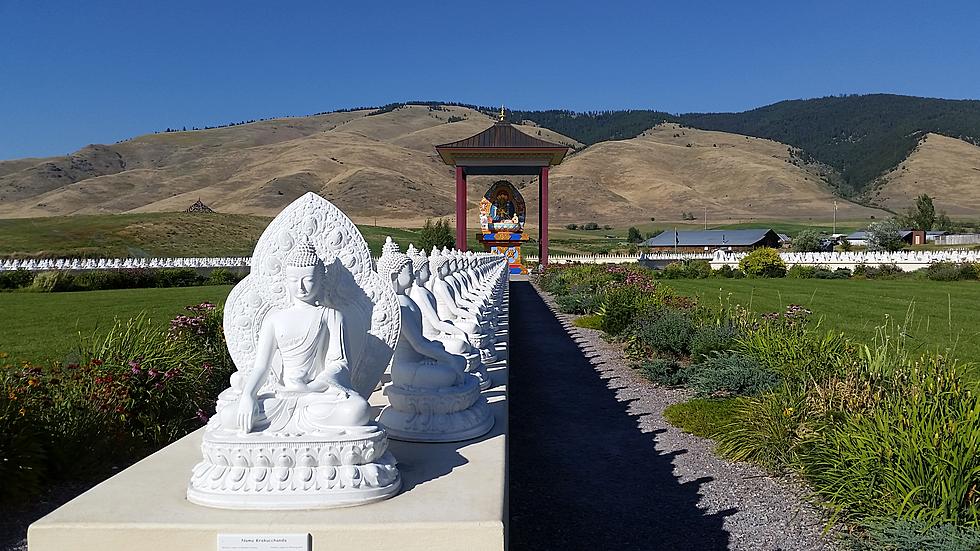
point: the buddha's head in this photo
(396, 266)
(437, 265)
(420, 266)
(305, 274)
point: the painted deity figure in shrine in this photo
(502, 209)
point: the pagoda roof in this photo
(502, 141)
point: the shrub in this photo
(571, 226)
(97, 280)
(16, 279)
(763, 262)
(949, 271)
(138, 387)
(769, 430)
(801, 271)
(674, 270)
(885, 236)
(730, 373)
(590, 226)
(725, 271)
(896, 534)
(619, 304)
(713, 338)
(21, 454)
(436, 234)
(178, 277)
(687, 269)
(52, 282)
(663, 371)
(882, 271)
(914, 454)
(782, 342)
(658, 329)
(808, 241)
(576, 303)
(222, 276)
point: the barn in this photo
(712, 240)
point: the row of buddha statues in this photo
(314, 330)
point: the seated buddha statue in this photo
(432, 398)
(313, 390)
(453, 338)
(418, 361)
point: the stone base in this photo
(444, 415)
(349, 467)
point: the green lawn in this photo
(944, 315)
(39, 326)
(162, 234)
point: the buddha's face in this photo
(404, 278)
(444, 270)
(304, 284)
(423, 274)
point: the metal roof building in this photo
(714, 239)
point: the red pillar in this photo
(460, 208)
(543, 216)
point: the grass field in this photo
(162, 234)
(943, 315)
(46, 326)
(167, 234)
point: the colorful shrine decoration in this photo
(503, 150)
(502, 215)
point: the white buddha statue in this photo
(311, 331)
(453, 338)
(480, 333)
(314, 390)
(433, 399)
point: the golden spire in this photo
(501, 117)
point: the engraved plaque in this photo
(263, 542)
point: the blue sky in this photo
(73, 73)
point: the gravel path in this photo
(594, 465)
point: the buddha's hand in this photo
(246, 412)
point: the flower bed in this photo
(136, 389)
(887, 438)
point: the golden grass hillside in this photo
(946, 168)
(383, 169)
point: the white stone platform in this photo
(454, 497)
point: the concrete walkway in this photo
(582, 473)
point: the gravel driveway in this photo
(594, 464)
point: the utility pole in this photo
(835, 216)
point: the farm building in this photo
(712, 240)
(860, 238)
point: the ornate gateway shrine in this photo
(502, 150)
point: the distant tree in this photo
(571, 226)
(885, 235)
(633, 235)
(607, 227)
(943, 223)
(436, 234)
(808, 241)
(590, 226)
(922, 216)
